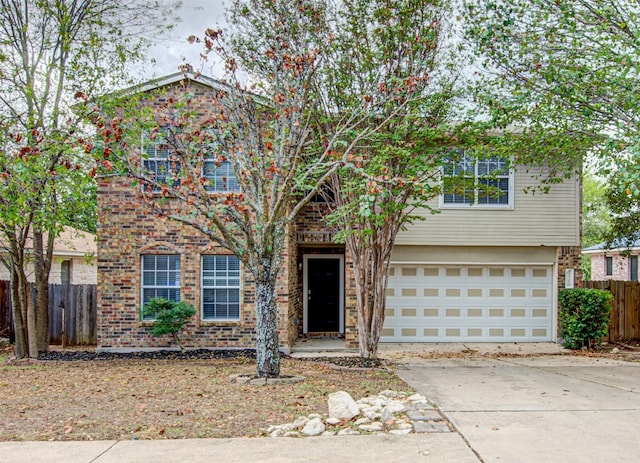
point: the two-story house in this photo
(485, 269)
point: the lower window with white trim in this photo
(220, 297)
(160, 278)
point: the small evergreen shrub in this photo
(170, 317)
(584, 316)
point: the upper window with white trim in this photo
(220, 176)
(220, 299)
(160, 278)
(470, 181)
(160, 164)
(157, 162)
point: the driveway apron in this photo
(536, 409)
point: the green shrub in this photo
(584, 316)
(169, 317)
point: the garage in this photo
(474, 303)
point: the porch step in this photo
(320, 345)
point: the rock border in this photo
(254, 381)
(390, 412)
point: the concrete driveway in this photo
(557, 408)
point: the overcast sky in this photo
(195, 16)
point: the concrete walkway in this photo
(428, 448)
(536, 409)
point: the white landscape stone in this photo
(314, 427)
(392, 394)
(389, 412)
(373, 413)
(396, 406)
(373, 427)
(373, 401)
(386, 414)
(360, 421)
(400, 432)
(300, 422)
(342, 406)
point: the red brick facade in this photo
(126, 232)
(569, 257)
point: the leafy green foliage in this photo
(569, 68)
(595, 211)
(54, 55)
(169, 317)
(624, 208)
(584, 316)
(596, 218)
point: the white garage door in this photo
(469, 303)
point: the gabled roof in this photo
(180, 77)
(176, 78)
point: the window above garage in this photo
(477, 182)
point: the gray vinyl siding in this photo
(536, 219)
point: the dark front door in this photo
(323, 295)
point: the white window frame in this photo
(175, 285)
(229, 287)
(158, 157)
(227, 183)
(477, 191)
(164, 171)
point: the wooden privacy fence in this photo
(5, 309)
(625, 313)
(72, 313)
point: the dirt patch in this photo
(628, 351)
(88, 396)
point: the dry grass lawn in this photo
(164, 399)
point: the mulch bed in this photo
(198, 354)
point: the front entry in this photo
(323, 290)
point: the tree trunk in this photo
(30, 316)
(19, 326)
(178, 342)
(370, 266)
(267, 351)
(41, 269)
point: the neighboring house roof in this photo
(71, 243)
(615, 246)
(74, 242)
